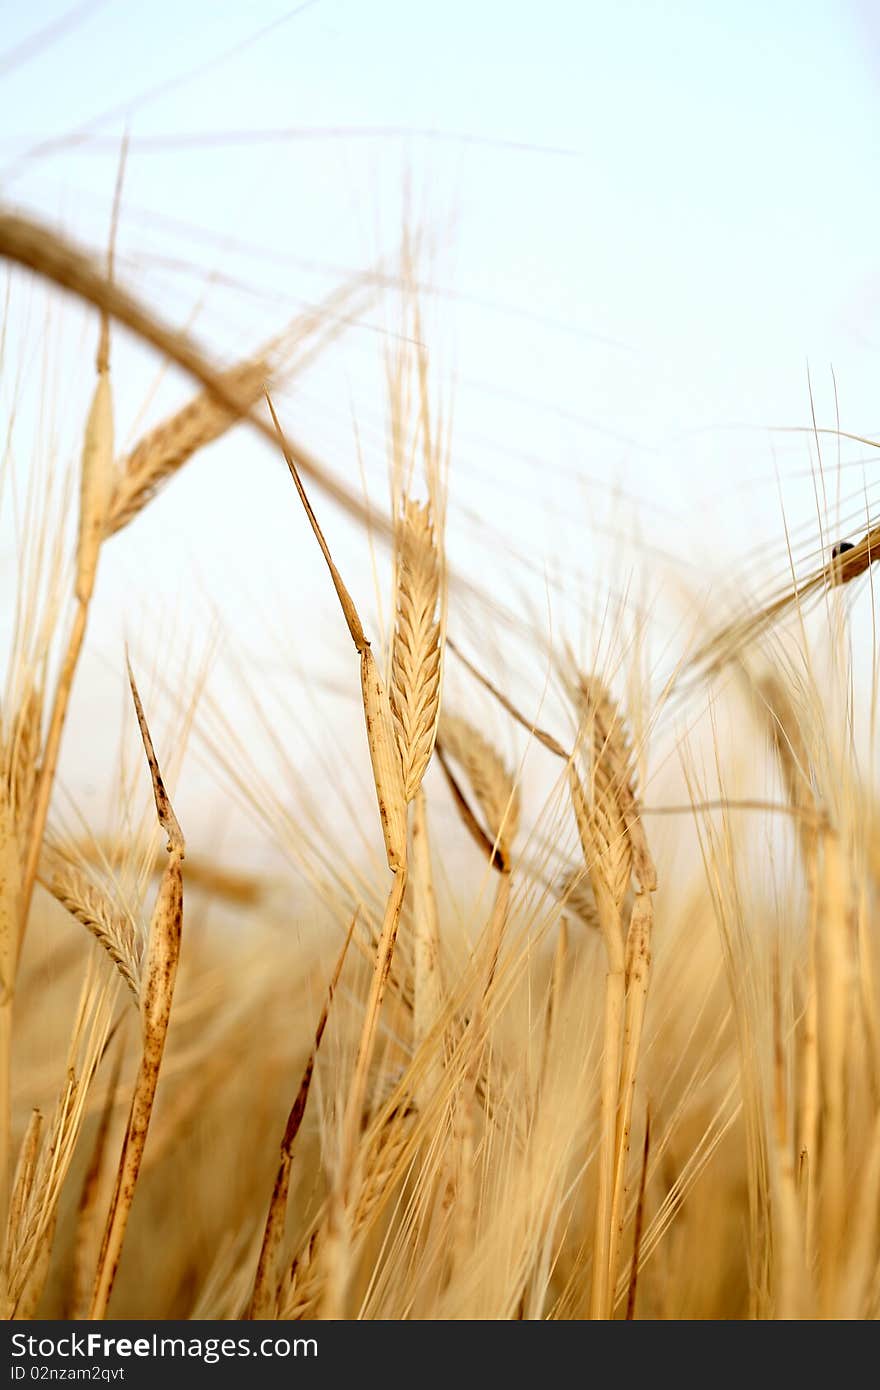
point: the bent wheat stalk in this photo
(638, 1225)
(391, 799)
(844, 567)
(157, 990)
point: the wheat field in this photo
(541, 977)
(613, 1059)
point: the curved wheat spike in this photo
(491, 781)
(164, 451)
(574, 892)
(787, 735)
(87, 902)
(166, 448)
(846, 565)
(427, 970)
(638, 964)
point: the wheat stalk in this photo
(638, 963)
(848, 563)
(575, 894)
(614, 847)
(391, 800)
(157, 990)
(835, 975)
(96, 484)
(10, 912)
(614, 775)
(796, 766)
(427, 973)
(97, 474)
(24, 758)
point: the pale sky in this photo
(649, 221)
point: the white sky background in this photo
(648, 221)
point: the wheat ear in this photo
(416, 645)
(491, 782)
(416, 662)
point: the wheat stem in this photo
(638, 948)
(160, 971)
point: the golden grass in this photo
(580, 1061)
